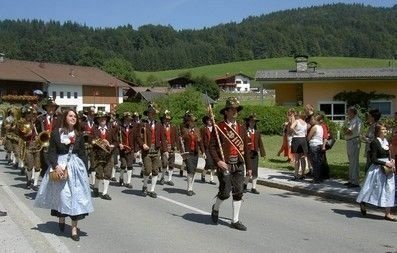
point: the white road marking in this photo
(52, 239)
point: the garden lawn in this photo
(337, 158)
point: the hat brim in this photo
(250, 118)
(45, 106)
(205, 119)
(239, 108)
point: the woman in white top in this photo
(316, 146)
(299, 144)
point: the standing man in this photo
(88, 126)
(352, 136)
(126, 148)
(168, 155)
(234, 147)
(209, 162)
(255, 148)
(105, 139)
(150, 139)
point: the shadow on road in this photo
(51, 227)
(134, 192)
(356, 214)
(203, 219)
(175, 190)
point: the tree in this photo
(207, 86)
(120, 68)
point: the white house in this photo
(235, 82)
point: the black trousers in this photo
(231, 181)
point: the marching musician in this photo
(114, 122)
(126, 146)
(49, 121)
(230, 154)
(9, 126)
(150, 139)
(209, 163)
(105, 139)
(88, 126)
(168, 154)
(193, 147)
(256, 147)
(33, 148)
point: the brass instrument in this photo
(102, 145)
(24, 127)
(43, 139)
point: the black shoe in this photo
(121, 182)
(390, 219)
(152, 194)
(28, 184)
(181, 173)
(202, 179)
(3, 213)
(212, 182)
(214, 215)
(113, 179)
(106, 197)
(95, 193)
(353, 186)
(244, 188)
(162, 181)
(22, 172)
(141, 174)
(254, 191)
(129, 186)
(170, 183)
(35, 188)
(190, 193)
(347, 184)
(363, 209)
(238, 225)
(61, 226)
(76, 237)
(144, 190)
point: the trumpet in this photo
(102, 145)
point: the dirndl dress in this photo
(379, 188)
(71, 197)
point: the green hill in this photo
(250, 67)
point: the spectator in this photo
(373, 117)
(316, 146)
(326, 136)
(299, 144)
(287, 138)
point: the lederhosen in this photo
(102, 160)
(255, 146)
(206, 137)
(32, 158)
(114, 124)
(171, 138)
(127, 154)
(47, 125)
(155, 139)
(193, 145)
(233, 179)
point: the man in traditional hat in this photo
(49, 122)
(256, 147)
(168, 154)
(114, 122)
(151, 139)
(193, 146)
(105, 139)
(9, 127)
(126, 146)
(206, 137)
(235, 151)
(88, 125)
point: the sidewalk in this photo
(329, 189)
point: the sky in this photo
(180, 14)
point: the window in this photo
(101, 108)
(245, 82)
(238, 82)
(54, 95)
(383, 106)
(75, 94)
(334, 110)
(68, 94)
(61, 94)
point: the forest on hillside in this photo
(331, 30)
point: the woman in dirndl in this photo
(70, 196)
(379, 185)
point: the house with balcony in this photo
(240, 83)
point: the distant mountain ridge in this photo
(353, 30)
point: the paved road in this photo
(277, 221)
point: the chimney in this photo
(2, 57)
(301, 63)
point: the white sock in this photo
(113, 172)
(170, 175)
(93, 174)
(212, 172)
(218, 203)
(36, 178)
(20, 163)
(163, 173)
(190, 180)
(236, 210)
(154, 182)
(29, 174)
(129, 176)
(246, 180)
(145, 178)
(105, 186)
(254, 183)
(122, 174)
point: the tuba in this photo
(102, 145)
(44, 139)
(24, 127)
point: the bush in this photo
(131, 107)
